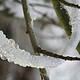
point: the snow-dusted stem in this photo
(29, 25)
(11, 52)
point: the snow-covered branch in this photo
(75, 22)
(11, 52)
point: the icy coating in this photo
(70, 70)
(75, 22)
(11, 52)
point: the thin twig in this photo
(29, 28)
(70, 4)
(40, 5)
(46, 16)
(29, 25)
(55, 55)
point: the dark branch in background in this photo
(36, 4)
(33, 5)
(69, 4)
(18, 1)
(46, 16)
(30, 31)
(40, 5)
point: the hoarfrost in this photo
(11, 51)
(69, 70)
(75, 22)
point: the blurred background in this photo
(49, 34)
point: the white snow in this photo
(11, 51)
(66, 71)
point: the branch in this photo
(29, 25)
(55, 55)
(69, 4)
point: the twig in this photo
(55, 55)
(29, 25)
(33, 39)
(70, 4)
(40, 5)
(46, 16)
(37, 4)
(63, 16)
(29, 28)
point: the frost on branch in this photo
(75, 22)
(11, 51)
